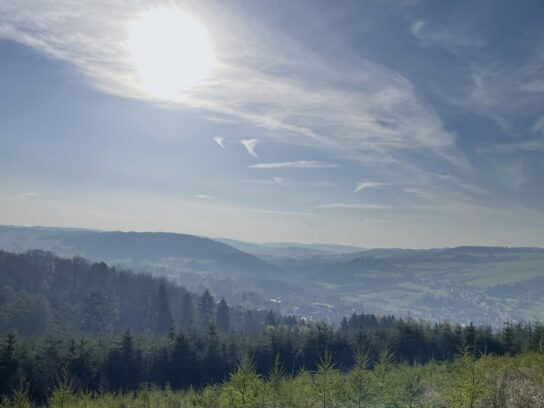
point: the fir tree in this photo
(223, 316)
(206, 308)
(164, 322)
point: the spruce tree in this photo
(8, 365)
(206, 308)
(223, 316)
(187, 314)
(164, 322)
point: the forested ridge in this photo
(41, 293)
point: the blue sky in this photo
(376, 123)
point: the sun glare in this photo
(171, 52)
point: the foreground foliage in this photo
(467, 381)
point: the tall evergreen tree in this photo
(183, 367)
(8, 365)
(270, 319)
(206, 308)
(470, 335)
(96, 313)
(164, 321)
(187, 314)
(249, 321)
(223, 316)
(80, 367)
(123, 365)
(507, 337)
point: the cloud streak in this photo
(301, 164)
(353, 206)
(250, 145)
(220, 141)
(450, 40)
(363, 185)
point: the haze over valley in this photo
(484, 285)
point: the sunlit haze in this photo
(171, 52)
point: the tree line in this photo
(194, 358)
(466, 381)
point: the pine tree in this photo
(98, 315)
(326, 380)
(63, 396)
(275, 380)
(508, 337)
(382, 374)
(187, 311)
(357, 379)
(206, 308)
(8, 365)
(249, 321)
(270, 319)
(242, 389)
(164, 322)
(183, 364)
(470, 336)
(123, 364)
(80, 365)
(466, 383)
(223, 316)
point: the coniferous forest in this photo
(77, 332)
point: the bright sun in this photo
(171, 52)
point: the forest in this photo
(469, 380)
(41, 293)
(84, 332)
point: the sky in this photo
(376, 123)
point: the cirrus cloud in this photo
(263, 77)
(300, 164)
(363, 185)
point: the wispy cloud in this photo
(300, 164)
(529, 145)
(534, 144)
(281, 181)
(204, 196)
(362, 185)
(538, 127)
(250, 145)
(219, 141)
(450, 40)
(351, 108)
(505, 89)
(26, 195)
(536, 85)
(276, 212)
(354, 206)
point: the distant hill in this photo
(272, 250)
(330, 248)
(132, 247)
